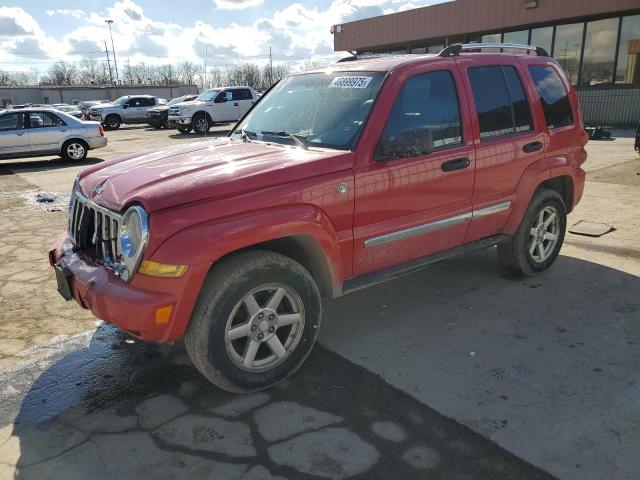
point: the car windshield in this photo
(316, 109)
(66, 108)
(121, 100)
(178, 100)
(208, 95)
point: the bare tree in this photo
(187, 72)
(167, 74)
(62, 73)
(92, 71)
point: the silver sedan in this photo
(31, 132)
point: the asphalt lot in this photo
(458, 371)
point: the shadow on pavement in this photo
(44, 163)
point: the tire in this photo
(112, 122)
(74, 150)
(521, 255)
(184, 130)
(201, 124)
(222, 308)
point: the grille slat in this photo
(94, 229)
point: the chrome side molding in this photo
(437, 225)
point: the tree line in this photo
(96, 72)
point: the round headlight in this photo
(133, 232)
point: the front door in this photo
(14, 138)
(46, 130)
(413, 193)
(224, 110)
(134, 111)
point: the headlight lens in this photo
(133, 237)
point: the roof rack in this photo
(454, 50)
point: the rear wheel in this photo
(74, 150)
(201, 123)
(538, 241)
(256, 320)
(112, 122)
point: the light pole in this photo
(113, 50)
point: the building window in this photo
(500, 101)
(599, 52)
(419, 50)
(521, 37)
(426, 105)
(492, 38)
(567, 48)
(628, 70)
(543, 38)
(435, 48)
(554, 97)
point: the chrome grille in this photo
(94, 229)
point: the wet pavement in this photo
(101, 405)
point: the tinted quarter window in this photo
(500, 101)
(553, 95)
(11, 121)
(426, 110)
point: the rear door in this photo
(46, 131)
(418, 202)
(242, 100)
(508, 138)
(14, 138)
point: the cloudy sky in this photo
(37, 32)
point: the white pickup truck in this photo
(216, 105)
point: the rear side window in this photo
(553, 95)
(426, 104)
(500, 101)
(242, 94)
(147, 102)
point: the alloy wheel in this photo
(75, 151)
(544, 234)
(264, 327)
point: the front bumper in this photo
(179, 120)
(130, 306)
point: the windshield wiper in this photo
(298, 140)
(246, 134)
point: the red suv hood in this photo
(203, 170)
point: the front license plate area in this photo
(64, 286)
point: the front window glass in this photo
(317, 109)
(599, 52)
(567, 48)
(208, 95)
(628, 70)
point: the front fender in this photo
(206, 243)
(534, 175)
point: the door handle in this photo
(532, 147)
(235, 104)
(457, 164)
(20, 134)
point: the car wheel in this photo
(74, 150)
(538, 241)
(201, 124)
(184, 130)
(112, 122)
(255, 321)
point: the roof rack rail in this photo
(454, 50)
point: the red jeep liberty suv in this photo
(338, 178)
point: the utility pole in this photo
(270, 67)
(113, 50)
(106, 50)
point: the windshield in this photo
(177, 100)
(318, 109)
(208, 95)
(66, 108)
(121, 100)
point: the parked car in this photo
(337, 179)
(158, 117)
(33, 131)
(127, 109)
(215, 105)
(86, 105)
(72, 110)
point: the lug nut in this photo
(272, 329)
(272, 316)
(253, 328)
(260, 315)
(260, 336)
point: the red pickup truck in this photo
(338, 178)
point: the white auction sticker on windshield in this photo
(350, 82)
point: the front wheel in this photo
(201, 124)
(184, 129)
(537, 243)
(255, 321)
(112, 122)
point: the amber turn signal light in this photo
(154, 269)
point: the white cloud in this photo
(76, 13)
(236, 4)
(14, 21)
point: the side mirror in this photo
(415, 142)
(125, 106)
(221, 100)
